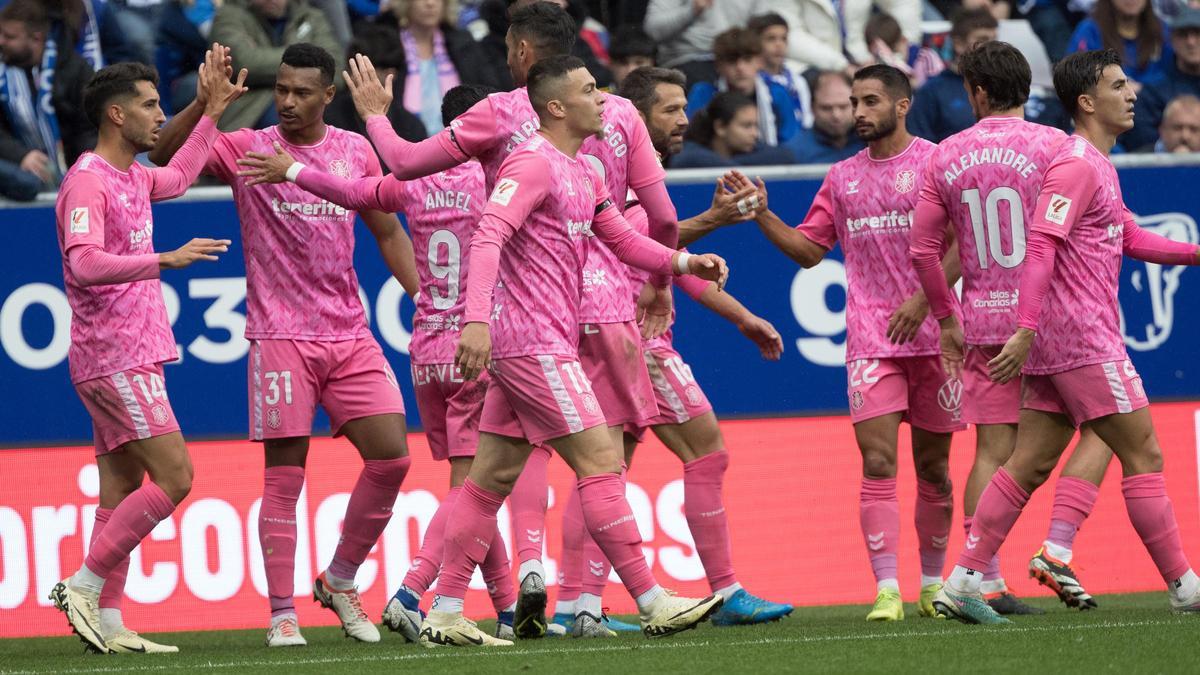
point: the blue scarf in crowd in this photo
(33, 117)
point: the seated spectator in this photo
(258, 31)
(364, 9)
(1180, 128)
(725, 133)
(1133, 30)
(129, 30)
(941, 108)
(889, 46)
(438, 56)
(75, 23)
(738, 54)
(31, 133)
(378, 43)
(17, 184)
(686, 30)
(828, 34)
(1180, 76)
(772, 31)
(496, 13)
(831, 138)
(182, 40)
(338, 15)
(631, 49)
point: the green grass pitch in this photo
(1128, 634)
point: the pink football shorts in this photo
(450, 407)
(351, 379)
(131, 405)
(611, 354)
(678, 396)
(1086, 393)
(539, 398)
(985, 401)
(914, 385)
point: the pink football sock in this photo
(1153, 517)
(114, 585)
(992, 573)
(368, 513)
(428, 561)
(528, 505)
(879, 516)
(470, 533)
(277, 534)
(704, 508)
(610, 522)
(497, 574)
(999, 507)
(1073, 502)
(596, 567)
(934, 513)
(128, 525)
(574, 533)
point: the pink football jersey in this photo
(299, 249)
(867, 205)
(986, 179)
(443, 211)
(1080, 204)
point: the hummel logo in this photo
(852, 186)
(972, 541)
(875, 542)
(596, 567)
(939, 542)
(535, 536)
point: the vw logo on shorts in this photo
(950, 395)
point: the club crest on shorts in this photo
(159, 413)
(856, 399)
(274, 419)
(906, 180)
(339, 167)
(693, 394)
(590, 404)
(950, 396)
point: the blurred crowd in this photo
(768, 80)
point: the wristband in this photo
(293, 171)
(681, 263)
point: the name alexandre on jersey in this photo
(1004, 156)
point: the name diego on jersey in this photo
(1003, 156)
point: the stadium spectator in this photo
(726, 133)
(1180, 128)
(687, 29)
(888, 45)
(182, 40)
(1049, 21)
(34, 72)
(75, 23)
(772, 31)
(338, 15)
(831, 138)
(1131, 28)
(630, 49)
(941, 107)
(129, 30)
(377, 42)
(258, 32)
(1180, 76)
(738, 58)
(824, 32)
(365, 9)
(496, 13)
(437, 57)
(17, 184)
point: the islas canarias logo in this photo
(1147, 290)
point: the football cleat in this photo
(743, 609)
(82, 608)
(504, 626)
(285, 633)
(670, 614)
(588, 625)
(530, 620)
(968, 608)
(925, 604)
(1060, 578)
(403, 615)
(561, 625)
(1007, 604)
(888, 606)
(126, 641)
(451, 629)
(348, 607)
(619, 626)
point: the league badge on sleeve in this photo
(1057, 209)
(79, 220)
(504, 191)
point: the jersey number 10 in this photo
(985, 221)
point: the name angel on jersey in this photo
(1004, 156)
(892, 220)
(448, 199)
(319, 209)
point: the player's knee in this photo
(1149, 457)
(178, 485)
(934, 470)
(878, 462)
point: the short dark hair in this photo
(545, 74)
(111, 82)
(377, 42)
(546, 26)
(1079, 73)
(965, 21)
(759, 23)
(460, 99)
(32, 13)
(629, 42)
(308, 55)
(1001, 70)
(641, 85)
(895, 82)
(722, 108)
(882, 26)
(736, 44)
(818, 82)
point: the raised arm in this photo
(1155, 248)
(366, 193)
(735, 200)
(177, 129)
(808, 243)
(644, 253)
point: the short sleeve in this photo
(81, 206)
(818, 225)
(1068, 188)
(226, 151)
